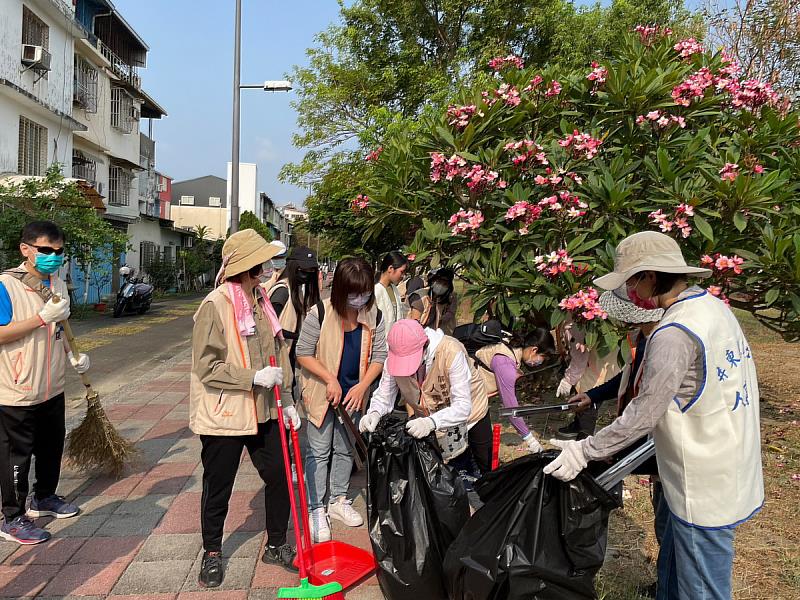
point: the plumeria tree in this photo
(527, 186)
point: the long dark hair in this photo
(352, 276)
(539, 337)
(394, 259)
(311, 295)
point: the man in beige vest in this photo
(32, 360)
(432, 372)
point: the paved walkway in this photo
(139, 537)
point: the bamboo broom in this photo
(95, 444)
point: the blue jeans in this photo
(693, 563)
(328, 446)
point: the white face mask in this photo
(535, 362)
(358, 301)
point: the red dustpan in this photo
(332, 561)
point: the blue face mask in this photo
(48, 263)
(278, 263)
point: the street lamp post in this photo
(267, 86)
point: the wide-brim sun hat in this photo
(620, 308)
(647, 251)
(406, 342)
(244, 250)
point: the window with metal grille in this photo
(119, 186)
(84, 88)
(168, 256)
(83, 167)
(34, 31)
(32, 157)
(122, 110)
(147, 252)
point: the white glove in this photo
(420, 427)
(53, 312)
(369, 422)
(291, 418)
(81, 364)
(564, 388)
(269, 377)
(569, 463)
(533, 444)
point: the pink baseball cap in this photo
(406, 342)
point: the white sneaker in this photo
(342, 509)
(318, 523)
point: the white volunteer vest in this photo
(709, 449)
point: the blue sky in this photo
(190, 70)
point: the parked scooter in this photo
(133, 295)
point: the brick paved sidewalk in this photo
(139, 537)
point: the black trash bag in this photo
(535, 538)
(416, 507)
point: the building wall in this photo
(56, 89)
(249, 198)
(191, 217)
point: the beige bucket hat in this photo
(647, 251)
(244, 250)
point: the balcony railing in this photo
(123, 70)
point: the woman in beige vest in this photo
(500, 365)
(435, 378)
(340, 353)
(436, 306)
(231, 400)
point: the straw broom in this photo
(95, 444)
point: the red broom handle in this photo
(301, 486)
(495, 446)
(301, 561)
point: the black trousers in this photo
(480, 447)
(220, 457)
(27, 431)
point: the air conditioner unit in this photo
(35, 57)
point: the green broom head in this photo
(329, 591)
(95, 445)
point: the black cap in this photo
(489, 332)
(441, 273)
(304, 256)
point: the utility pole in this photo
(237, 59)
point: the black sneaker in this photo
(211, 571)
(569, 432)
(283, 556)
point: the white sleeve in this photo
(382, 401)
(460, 395)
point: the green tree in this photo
(52, 198)
(388, 63)
(248, 220)
(527, 186)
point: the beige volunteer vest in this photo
(31, 368)
(435, 390)
(486, 354)
(709, 450)
(213, 411)
(329, 352)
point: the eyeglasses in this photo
(47, 249)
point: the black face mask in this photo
(304, 276)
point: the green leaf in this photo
(739, 221)
(771, 296)
(703, 227)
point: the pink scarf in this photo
(244, 312)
